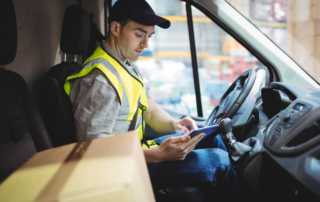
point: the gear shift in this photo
(240, 154)
(226, 129)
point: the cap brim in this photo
(151, 20)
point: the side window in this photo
(166, 63)
(221, 59)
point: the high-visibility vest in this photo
(129, 88)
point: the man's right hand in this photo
(176, 148)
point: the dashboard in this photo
(291, 139)
(288, 167)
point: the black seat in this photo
(57, 111)
(22, 132)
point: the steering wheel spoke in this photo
(233, 98)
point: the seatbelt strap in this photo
(144, 141)
(134, 120)
(133, 124)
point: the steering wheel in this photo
(233, 98)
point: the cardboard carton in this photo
(105, 169)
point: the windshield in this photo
(293, 25)
(166, 64)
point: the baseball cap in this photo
(138, 11)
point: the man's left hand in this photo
(186, 125)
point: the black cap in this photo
(138, 11)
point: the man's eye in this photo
(150, 37)
(138, 35)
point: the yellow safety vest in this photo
(128, 87)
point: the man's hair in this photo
(122, 24)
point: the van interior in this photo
(269, 111)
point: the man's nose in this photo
(145, 42)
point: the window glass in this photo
(221, 59)
(292, 25)
(166, 63)
(167, 68)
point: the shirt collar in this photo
(128, 65)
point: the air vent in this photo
(307, 134)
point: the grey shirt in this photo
(95, 102)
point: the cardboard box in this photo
(105, 169)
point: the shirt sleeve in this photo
(95, 106)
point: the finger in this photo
(189, 123)
(193, 127)
(183, 138)
(185, 130)
(190, 147)
(182, 129)
(198, 137)
(195, 139)
(192, 123)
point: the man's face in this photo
(133, 39)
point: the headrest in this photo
(75, 33)
(8, 33)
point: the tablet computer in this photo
(207, 130)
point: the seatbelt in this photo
(134, 120)
(143, 141)
(133, 124)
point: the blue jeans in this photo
(207, 166)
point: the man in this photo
(107, 91)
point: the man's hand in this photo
(176, 148)
(173, 149)
(186, 125)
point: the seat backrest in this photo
(22, 132)
(57, 110)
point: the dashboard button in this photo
(291, 122)
(287, 118)
(278, 130)
(288, 125)
(294, 117)
(273, 139)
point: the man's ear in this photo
(115, 28)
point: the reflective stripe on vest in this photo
(127, 86)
